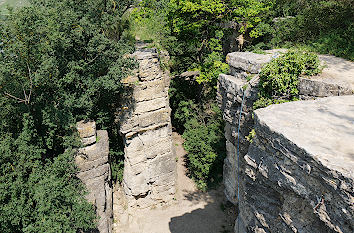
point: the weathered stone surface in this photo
(190, 74)
(302, 165)
(338, 68)
(231, 89)
(247, 61)
(321, 87)
(87, 132)
(250, 62)
(95, 173)
(150, 166)
(150, 105)
(336, 79)
(150, 90)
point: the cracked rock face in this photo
(275, 186)
(299, 170)
(95, 172)
(150, 164)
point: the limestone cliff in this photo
(267, 201)
(298, 173)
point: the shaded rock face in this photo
(231, 89)
(230, 94)
(150, 164)
(95, 173)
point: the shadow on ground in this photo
(214, 217)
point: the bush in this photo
(149, 23)
(37, 194)
(324, 26)
(279, 78)
(205, 144)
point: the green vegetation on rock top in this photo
(279, 79)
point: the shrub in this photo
(324, 26)
(279, 78)
(205, 144)
(38, 194)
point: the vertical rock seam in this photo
(150, 165)
(95, 172)
(231, 89)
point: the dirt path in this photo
(192, 212)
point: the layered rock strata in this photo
(150, 163)
(336, 79)
(95, 173)
(298, 173)
(231, 90)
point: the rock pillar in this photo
(150, 162)
(95, 173)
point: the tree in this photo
(60, 62)
(250, 15)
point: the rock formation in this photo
(298, 173)
(95, 173)
(150, 163)
(335, 80)
(230, 94)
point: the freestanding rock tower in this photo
(95, 172)
(150, 164)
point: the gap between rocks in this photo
(192, 211)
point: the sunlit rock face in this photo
(298, 173)
(150, 163)
(287, 184)
(95, 172)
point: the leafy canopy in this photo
(60, 62)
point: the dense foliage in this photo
(199, 120)
(279, 79)
(39, 196)
(325, 26)
(60, 62)
(205, 144)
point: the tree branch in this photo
(31, 84)
(16, 98)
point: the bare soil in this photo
(193, 211)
